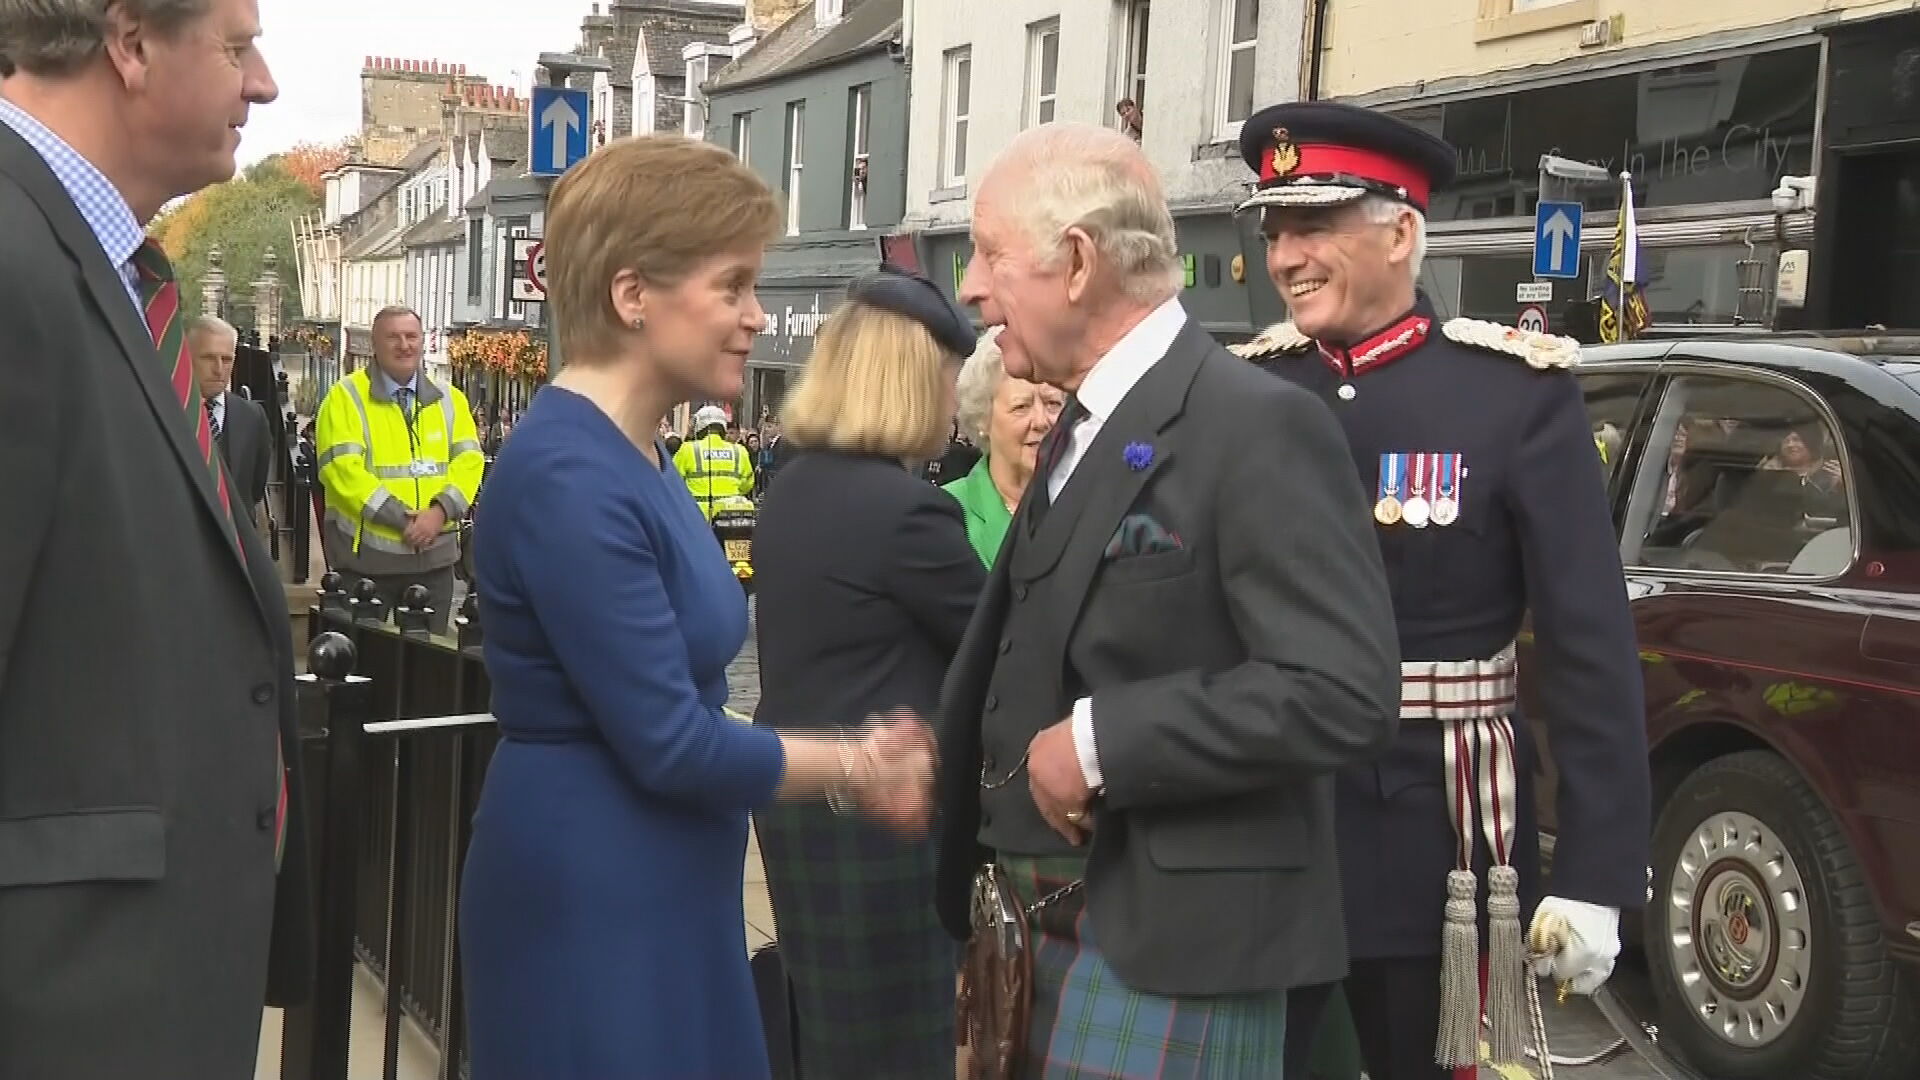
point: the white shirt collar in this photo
(1114, 375)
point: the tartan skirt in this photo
(1088, 1026)
(872, 971)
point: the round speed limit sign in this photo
(1533, 319)
(537, 266)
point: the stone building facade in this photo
(646, 41)
(402, 101)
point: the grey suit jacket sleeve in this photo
(31, 365)
(1306, 589)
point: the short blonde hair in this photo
(875, 384)
(979, 381)
(659, 205)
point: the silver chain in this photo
(1008, 779)
(1054, 897)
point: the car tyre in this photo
(1852, 1007)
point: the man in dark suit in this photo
(239, 426)
(152, 861)
(1187, 631)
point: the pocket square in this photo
(1140, 534)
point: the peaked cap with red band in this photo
(1324, 153)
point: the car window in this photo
(1612, 399)
(1747, 478)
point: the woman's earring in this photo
(639, 323)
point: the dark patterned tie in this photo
(1053, 448)
(213, 420)
(160, 298)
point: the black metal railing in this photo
(396, 739)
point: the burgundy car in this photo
(1766, 491)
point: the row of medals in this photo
(1417, 512)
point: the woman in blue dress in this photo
(600, 915)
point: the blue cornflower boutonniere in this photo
(1139, 455)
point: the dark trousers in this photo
(1396, 1011)
(389, 588)
(1395, 1005)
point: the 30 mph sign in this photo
(530, 287)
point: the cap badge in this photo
(1286, 156)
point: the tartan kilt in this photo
(872, 969)
(1087, 1025)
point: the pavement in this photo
(1574, 1029)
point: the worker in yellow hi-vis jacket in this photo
(400, 461)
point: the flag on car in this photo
(1623, 301)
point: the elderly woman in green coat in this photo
(1006, 418)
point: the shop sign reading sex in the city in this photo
(1723, 130)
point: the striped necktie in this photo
(160, 297)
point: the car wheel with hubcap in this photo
(1763, 940)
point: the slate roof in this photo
(799, 45)
(435, 229)
(380, 241)
(666, 42)
(421, 156)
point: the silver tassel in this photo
(1459, 1044)
(1506, 968)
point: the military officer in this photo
(1473, 445)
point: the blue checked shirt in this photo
(101, 205)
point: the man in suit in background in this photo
(1187, 632)
(239, 427)
(152, 862)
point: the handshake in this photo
(885, 770)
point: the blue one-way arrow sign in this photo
(559, 128)
(1556, 240)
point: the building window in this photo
(796, 128)
(860, 103)
(743, 137)
(1509, 18)
(1239, 26)
(955, 110)
(1130, 93)
(644, 104)
(1741, 476)
(602, 124)
(476, 259)
(1043, 70)
(696, 103)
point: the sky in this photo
(315, 49)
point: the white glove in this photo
(1586, 959)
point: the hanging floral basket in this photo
(312, 340)
(513, 353)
